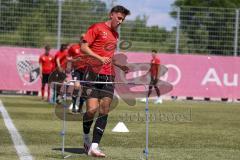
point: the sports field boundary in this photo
(21, 148)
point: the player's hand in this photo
(125, 69)
(40, 75)
(70, 59)
(60, 69)
(105, 60)
(77, 59)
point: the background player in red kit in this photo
(100, 42)
(61, 58)
(79, 67)
(155, 72)
(61, 65)
(47, 65)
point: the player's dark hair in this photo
(120, 9)
(63, 47)
(154, 51)
(47, 47)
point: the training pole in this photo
(64, 120)
(146, 150)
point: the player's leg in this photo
(42, 90)
(99, 128)
(159, 99)
(157, 90)
(44, 82)
(150, 90)
(48, 93)
(48, 89)
(106, 95)
(80, 106)
(75, 95)
(92, 105)
(81, 98)
(101, 121)
(150, 86)
(75, 76)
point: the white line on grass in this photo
(22, 150)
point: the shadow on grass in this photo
(71, 150)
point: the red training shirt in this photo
(102, 40)
(155, 62)
(47, 62)
(62, 56)
(75, 52)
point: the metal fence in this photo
(207, 30)
(34, 23)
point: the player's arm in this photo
(158, 71)
(89, 38)
(86, 49)
(149, 71)
(71, 59)
(40, 69)
(40, 66)
(59, 64)
(69, 55)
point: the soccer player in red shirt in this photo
(79, 70)
(61, 58)
(155, 71)
(61, 65)
(47, 65)
(100, 42)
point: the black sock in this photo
(99, 127)
(87, 122)
(81, 102)
(74, 98)
(149, 90)
(157, 90)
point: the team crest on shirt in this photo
(104, 34)
(28, 68)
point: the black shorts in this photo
(57, 76)
(78, 75)
(153, 81)
(98, 90)
(45, 78)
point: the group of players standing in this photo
(66, 60)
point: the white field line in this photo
(21, 148)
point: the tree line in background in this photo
(216, 25)
(33, 23)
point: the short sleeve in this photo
(158, 61)
(70, 50)
(40, 59)
(91, 34)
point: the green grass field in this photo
(186, 130)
